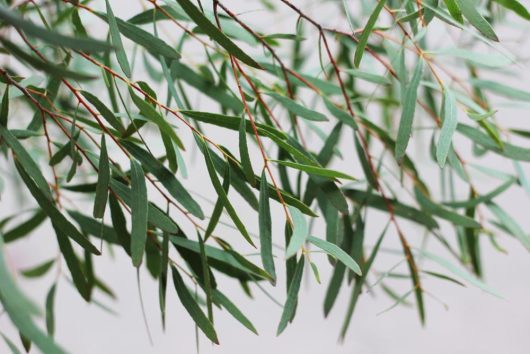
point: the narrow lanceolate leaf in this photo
(300, 232)
(408, 111)
(165, 177)
(449, 123)
(221, 192)
(454, 10)
(223, 301)
(470, 12)
(4, 108)
(138, 213)
(510, 224)
(297, 109)
(314, 170)
(461, 273)
(244, 155)
(152, 44)
(337, 253)
(211, 30)
(516, 7)
(116, 41)
(25, 160)
(85, 44)
(106, 113)
(20, 310)
(39, 270)
(102, 187)
(50, 315)
(57, 71)
(55, 215)
(192, 307)
(25, 228)
(292, 297)
(265, 228)
(361, 45)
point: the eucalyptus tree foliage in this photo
(102, 115)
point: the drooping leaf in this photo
(102, 187)
(192, 308)
(54, 214)
(297, 109)
(292, 297)
(116, 41)
(408, 112)
(449, 123)
(20, 310)
(209, 28)
(38, 270)
(138, 213)
(243, 151)
(222, 194)
(366, 32)
(165, 177)
(337, 253)
(265, 228)
(300, 233)
(85, 44)
(469, 10)
(314, 170)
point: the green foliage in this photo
(189, 132)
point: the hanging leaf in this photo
(449, 123)
(39, 270)
(211, 30)
(102, 187)
(337, 253)
(469, 10)
(138, 213)
(192, 308)
(292, 297)
(116, 41)
(300, 232)
(85, 44)
(265, 228)
(221, 192)
(20, 310)
(297, 109)
(243, 151)
(408, 111)
(366, 32)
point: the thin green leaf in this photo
(116, 41)
(292, 297)
(243, 151)
(165, 177)
(408, 111)
(314, 170)
(55, 215)
(265, 228)
(361, 45)
(469, 10)
(300, 232)
(337, 253)
(38, 270)
(209, 28)
(221, 192)
(192, 308)
(138, 213)
(85, 44)
(102, 187)
(297, 109)
(449, 123)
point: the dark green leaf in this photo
(138, 213)
(192, 308)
